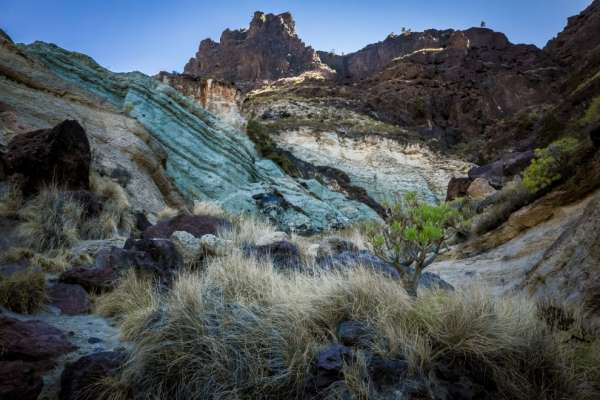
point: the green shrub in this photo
(546, 167)
(23, 292)
(413, 236)
(592, 114)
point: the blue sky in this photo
(153, 35)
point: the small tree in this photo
(412, 236)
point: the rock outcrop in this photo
(268, 50)
(220, 98)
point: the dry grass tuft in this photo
(208, 208)
(116, 217)
(131, 303)
(51, 221)
(23, 292)
(11, 202)
(167, 213)
(247, 229)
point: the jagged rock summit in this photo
(269, 49)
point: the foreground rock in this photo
(60, 155)
(158, 258)
(348, 260)
(196, 225)
(70, 299)
(284, 255)
(29, 349)
(78, 379)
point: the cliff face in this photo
(375, 57)
(269, 49)
(220, 98)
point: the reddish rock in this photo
(79, 377)
(19, 380)
(269, 49)
(59, 155)
(70, 299)
(92, 279)
(34, 341)
(457, 187)
(197, 225)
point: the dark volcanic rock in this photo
(354, 333)
(386, 371)
(330, 364)
(496, 173)
(70, 299)
(19, 380)
(91, 203)
(354, 259)
(457, 187)
(270, 49)
(158, 257)
(78, 378)
(93, 279)
(59, 155)
(33, 341)
(285, 255)
(197, 225)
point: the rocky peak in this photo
(268, 50)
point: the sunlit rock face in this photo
(220, 98)
(205, 157)
(384, 167)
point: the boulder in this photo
(480, 189)
(70, 299)
(92, 279)
(187, 245)
(354, 333)
(197, 225)
(348, 260)
(285, 255)
(215, 246)
(19, 380)
(78, 378)
(59, 155)
(330, 364)
(271, 238)
(34, 341)
(457, 187)
(386, 371)
(158, 257)
(332, 246)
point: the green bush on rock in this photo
(546, 167)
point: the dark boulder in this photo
(354, 333)
(330, 364)
(333, 246)
(158, 257)
(285, 255)
(19, 380)
(595, 136)
(60, 155)
(197, 225)
(349, 260)
(141, 221)
(457, 187)
(70, 299)
(34, 341)
(92, 279)
(498, 172)
(78, 379)
(386, 371)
